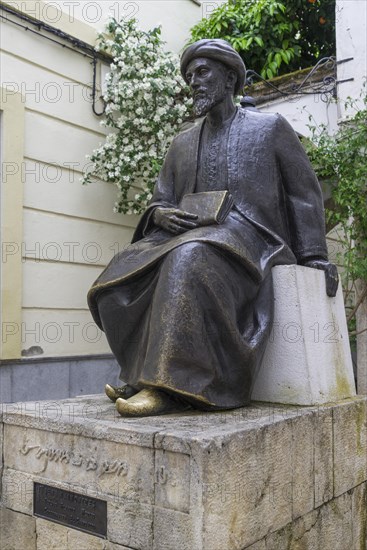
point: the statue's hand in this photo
(174, 220)
(330, 270)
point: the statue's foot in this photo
(114, 392)
(148, 402)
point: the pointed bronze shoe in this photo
(148, 402)
(114, 392)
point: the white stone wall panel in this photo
(61, 332)
(49, 237)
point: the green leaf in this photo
(282, 7)
(284, 56)
(259, 40)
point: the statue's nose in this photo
(193, 82)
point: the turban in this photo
(218, 50)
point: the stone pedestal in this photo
(264, 477)
(307, 360)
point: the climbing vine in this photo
(342, 160)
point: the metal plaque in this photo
(74, 510)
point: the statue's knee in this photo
(104, 302)
(195, 253)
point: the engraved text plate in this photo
(74, 510)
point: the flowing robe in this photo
(190, 314)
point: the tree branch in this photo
(358, 303)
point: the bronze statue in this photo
(187, 309)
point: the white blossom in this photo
(141, 113)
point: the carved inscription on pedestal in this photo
(74, 510)
(53, 454)
(101, 468)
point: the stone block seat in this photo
(307, 360)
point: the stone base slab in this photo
(264, 477)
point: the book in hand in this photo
(210, 206)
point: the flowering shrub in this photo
(146, 102)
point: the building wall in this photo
(175, 16)
(57, 235)
(351, 41)
(305, 111)
(63, 233)
(351, 34)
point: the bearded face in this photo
(205, 100)
(208, 82)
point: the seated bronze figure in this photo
(187, 308)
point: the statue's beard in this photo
(205, 103)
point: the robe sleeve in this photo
(163, 195)
(303, 196)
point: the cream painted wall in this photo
(175, 16)
(351, 39)
(64, 233)
(298, 109)
(12, 126)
